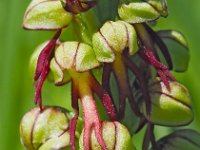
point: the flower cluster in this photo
(128, 52)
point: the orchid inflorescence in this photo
(127, 52)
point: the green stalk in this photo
(84, 26)
(144, 35)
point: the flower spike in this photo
(72, 58)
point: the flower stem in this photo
(149, 138)
(140, 77)
(91, 117)
(84, 26)
(75, 96)
(144, 36)
(121, 76)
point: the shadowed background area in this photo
(16, 85)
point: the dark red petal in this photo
(72, 130)
(105, 97)
(43, 65)
(44, 54)
(148, 55)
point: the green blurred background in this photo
(16, 86)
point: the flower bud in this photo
(71, 55)
(160, 6)
(46, 15)
(112, 39)
(79, 56)
(169, 107)
(77, 6)
(115, 135)
(45, 130)
(138, 12)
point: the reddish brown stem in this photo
(121, 76)
(122, 105)
(74, 94)
(106, 76)
(153, 139)
(149, 138)
(142, 123)
(143, 83)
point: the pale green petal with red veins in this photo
(40, 128)
(46, 15)
(115, 135)
(85, 59)
(169, 107)
(138, 12)
(160, 6)
(115, 35)
(65, 54)
(102, 50)
(75, 55)
(61, 142)
(26, 127)
(112, 39)
(132, 38)
(34, 2)
(60, 76)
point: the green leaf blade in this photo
(178, 49)
(185, 139)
